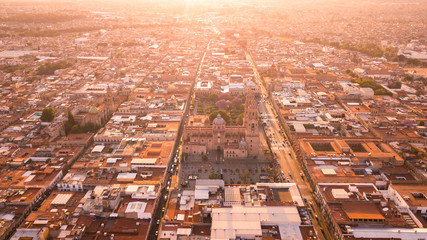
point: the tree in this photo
(409, 78)
(240, 119)
(223, 114)
(225, 96)
(413, 62)
(48, 115)
(75, 129)
(213, 176)
(245, 175)
(221, 104)
(421, 123)
(395, 85)
(69, 123)
(401, 58)
(236, 102)
(50, 68)
(204, 157)
(213, 97)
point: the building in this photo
(351, 209)
(200, 137)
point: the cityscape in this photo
(213, 119)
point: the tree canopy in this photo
(48, 115)
(50, 68)
(224, 115)
(370, 83)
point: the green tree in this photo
(48, 115)
(50, 68)
(409, 78)
(413, 62)
(240, 119)
(223, 114)
(421, 123)
(69, 123)
(213, 97)
(245, 175)
(213, 176)
(75, 129)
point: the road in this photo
(285, 155)
(172, 174)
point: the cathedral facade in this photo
(201, 137)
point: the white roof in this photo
(112, 160)
(126, 176)
(61, 199)
(318, 65)
(210, 182)
(27, 173)
(402, 233)
(339, 193)
(146, 161)
(29, 178)
(139, 208)
(232, 194)
(98, 149)
(180, 217)
(227, 223)
(184, 231)
(202, 193)
(132, 188)
(299, 127)
(328, 171)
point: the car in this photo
(158, 222)
(157, 233)
(287, 180)
(317, 218)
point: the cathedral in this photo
(202, 137)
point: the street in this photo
(286, 156)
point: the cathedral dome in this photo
(93, 110)
(218, 120)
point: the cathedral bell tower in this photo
(109, 101)
(251, 124)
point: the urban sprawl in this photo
(213, 120)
